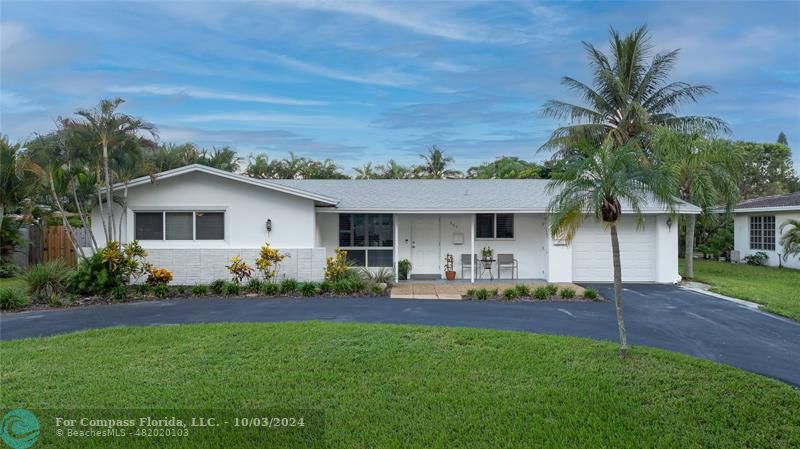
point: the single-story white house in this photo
(193, 219)
(756, 227)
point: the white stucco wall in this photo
(246, 207)
(741, 237)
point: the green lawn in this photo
(387, 386)
(15, 282)
(778, 289)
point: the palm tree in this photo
(790, 241)
(224, 158)
(393, 170)
(436, 163)
(365, 172)
(706, 172)
(112, 131)
(13, 186)
(630, 92)
(600, 181)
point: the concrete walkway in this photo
(661, 316)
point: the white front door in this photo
(425, 244)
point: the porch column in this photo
(395, 250)
(472, 250)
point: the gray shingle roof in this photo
(789, 201)
(438, 195)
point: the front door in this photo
(425, 244)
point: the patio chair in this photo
(465, 263)
(507, 261)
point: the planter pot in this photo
(450, 275)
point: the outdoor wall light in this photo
(269, 225)
(669, 223)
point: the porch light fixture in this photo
(669, 223)
(269, 225)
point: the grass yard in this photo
(778, 289)
(388, 386)
(15, 282)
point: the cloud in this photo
(209, 94)
(22, 52)
(478, 109)
(290, 120)
(13, 103)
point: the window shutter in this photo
(179, 226)
(505, 226)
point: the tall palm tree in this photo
(707, 173)
(436, 163)
(365, 171)
(224, 158)
(790, 241)
(630, 92)
(393, 170)
(14, 187)
(111, 131)
(605, 182)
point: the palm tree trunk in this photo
(65, 222)
(623, 337)
(122, 215)
(84, 221)
(109, 195)
(102, 214)
(691, 220)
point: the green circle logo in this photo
(20, 429)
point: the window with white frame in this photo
(179, 225)
(762, 232)
(368, 239)
(494, 226)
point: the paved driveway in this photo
(656, 315)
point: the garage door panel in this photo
(593, 259)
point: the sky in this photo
(370, 81)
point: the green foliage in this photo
(144, 289)
(10, 237)
(46, 280)
(12, 298)
(376, 289)
(254, 286)
(325, 287)
(161, 290)
(180, 289)
(92, 276)
(510, 293)
(759, 258)
(199, 290)
(522, 290)
(552, 289)
(470, 293)
(8, 269)
(591, 293)
(289, 286)
(119, 293)
(790, 239)
(270, 289)
(506, 167)
(269, 261)
(768, 170)
(308, 289)
(336, 267)
(541, 293)
(239, 269)
(482, 294)
(344, 287)
(436, 165)
(379, 276)
(404, 268)
(567, 293)
(218, 287)
(232, 289)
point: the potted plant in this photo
(486, 253)
(449, 272)
(404, 268)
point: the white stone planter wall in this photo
(202, 266)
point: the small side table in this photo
(486, 265)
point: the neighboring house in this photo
(193, 219)
(757, 223)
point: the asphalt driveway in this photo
(661, 316)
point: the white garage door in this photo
(591, 252)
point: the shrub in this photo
(552, 289)
(46, 280)
(12, 298)
(181, 289)
(289, 286)
(270, 289)
(161, 290)
(268, 261)
(541, 293)
(522, 290)
(567, 293)
(759, 258)
(218, 287)
(254, 286)
(337, 267)
(308, 289)
(108, 268)
(8, 268)
(325, 287)
(120, 293)
(233, 289)
(510, 293)
(344, 287)
(200, 290)
(590, 293)
(482, 294)
(379, 276)
(55, 301)
(158, 276)
(143, 289)
(494, 293)
(404, 268)
(470, 293)
(239, 269)
(359, 284)
(376, 289)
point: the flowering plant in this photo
(239, 269)
(268, 261)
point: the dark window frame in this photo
(494, 232)
(163, 233)
(367, 233)
(762, 232)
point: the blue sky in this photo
(358, 81)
